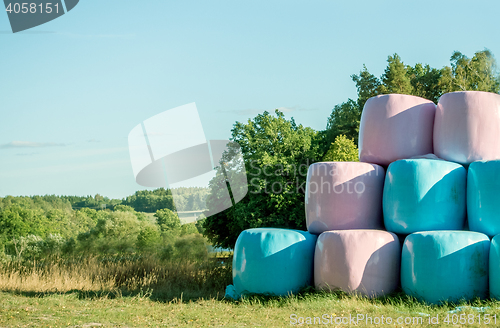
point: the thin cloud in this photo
(93, 140)
(243, 111)
(28, 32)
(99, 36)
(30, 144)
(295, 109)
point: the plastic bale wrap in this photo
(495, 267)
(273, 261)
(483, 197)
(357, 261)
(445, 265)
(395, 126)
(424, 194)
(344, 195)
(467, 126)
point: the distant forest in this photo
(149, 201)
(35, 227)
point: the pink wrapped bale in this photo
(395, 126)
(467, 127)
(357, 261)
(344, 195)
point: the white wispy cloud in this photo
(99, 36)
(30, 144)
(295, 109)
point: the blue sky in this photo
(72, 89)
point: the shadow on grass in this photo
(396, 300)
(162, 294)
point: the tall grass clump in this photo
(123, 252)
(117, 275)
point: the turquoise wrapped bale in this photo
(483, 195)
(495, 267)
(423, 195)
(273, 261)
(445, 265)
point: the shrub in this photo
(342, 150)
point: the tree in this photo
(188, 229)
(115, 233)
(342, 150)
(425, 81)
(395, 78)
(167, 220)
(277, 153)
(367, 84)
(344, 120)
(477, 73)
(148, 237)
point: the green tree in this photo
(395, 78)
(167, 220)
(277, 153)
(117, 233)
(425, 81)
(477, 73)
(148, 237)
(367, 84)
(344, 120)
(342, 150)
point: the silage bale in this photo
(424, 194)
(273, 261)
(357, 261)
(344, 195)
(395, 126)
(494, 268)
(467, 126)
(483, 195)
(445, 265)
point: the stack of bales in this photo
(428, 175)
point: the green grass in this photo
(145, 292)
(81, 309)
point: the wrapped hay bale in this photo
(467, 126)
(357, 261)
(344, 195)
(424, 194)
(445, 265)
(483, 194)
(395, 126)
(273, 261)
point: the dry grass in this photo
(117, 276)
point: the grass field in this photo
(83, 309)
(96, 292)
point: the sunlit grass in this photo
(145, 291)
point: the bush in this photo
(148, 237)
(188, 229)
(191, 247)
(167, 220)
(342, 150)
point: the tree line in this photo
(38, 227)
(148, 201)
